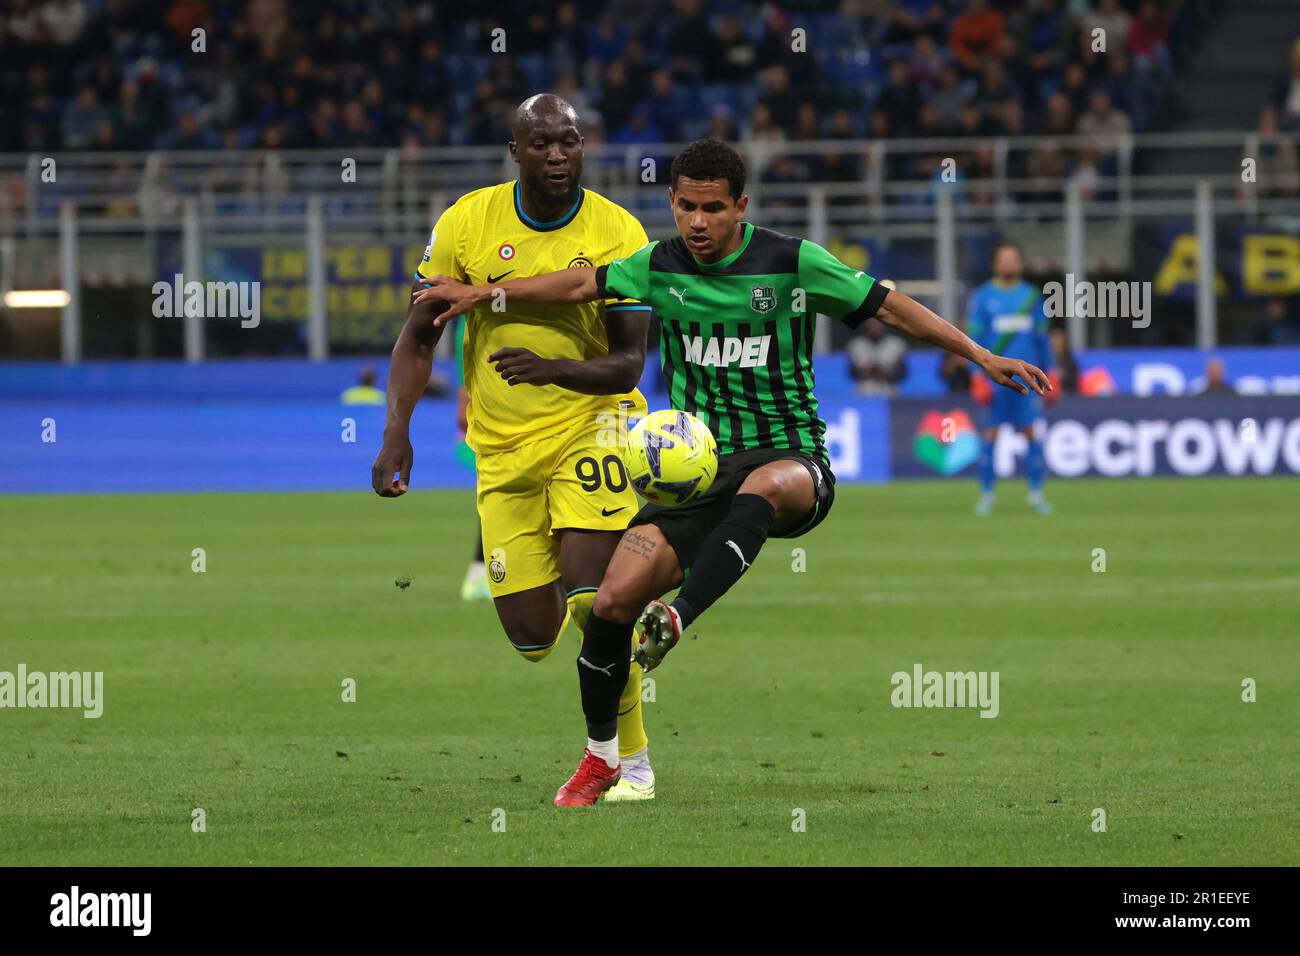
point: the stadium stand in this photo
(323, 74)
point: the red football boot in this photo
(592, 778)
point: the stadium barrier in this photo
(1119, 371)
(263, 426)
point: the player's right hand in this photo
(394, 457)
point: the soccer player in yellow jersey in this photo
(551, 388)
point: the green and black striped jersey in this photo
(736, 339)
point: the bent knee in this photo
(780, 483)
(532, 643)
(619, 601)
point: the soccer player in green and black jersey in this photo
(737, 305)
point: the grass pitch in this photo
(1119, 690)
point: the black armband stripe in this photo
(875, 298)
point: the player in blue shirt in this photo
(1006, 315)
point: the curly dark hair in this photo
(711, 159)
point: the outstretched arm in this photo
(566, 287)
(904, 313)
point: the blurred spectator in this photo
(82, 117)
(721, 124)
(1086, 175)
(690, 41)
(955, 374)
(841, 167)
(781, 101)
(1276, 165)
(1059, 117)
(619, 96)
(666, 104)
(950, 95)
(1067, 369)
(1112, 19)
(183, 16)
(808, 123)
(639, 128)
(1074, 84)
(1047, 162)
(567, 86)
(1215, 381)
(900, 100)
(364, 392)
(1103, 124)
(1286, 94)
(995, 85)
(732, 60)
(775, 49)
(1125, 91)
(508, 80)
(878, 359)
(1045, 39)
(133, 118)
(784, 170)
(1280, 325)
(636, 63)
(976, 33)
(879, 131)
(189, 134)
(1148, 39)
(606, 40)
(761, 127)
(568, 44)
(927, 61)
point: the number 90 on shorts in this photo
(572, 480)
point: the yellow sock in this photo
(631, 725)
(580, 601)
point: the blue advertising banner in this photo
(1157, 371)
(65, 446)
(281, 425)
(1115, 438)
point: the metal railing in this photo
(294, 196)
(392, 190)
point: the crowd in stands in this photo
(134, 74)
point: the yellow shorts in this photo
(572, 480)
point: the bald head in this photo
(542, 109)
(548, 148)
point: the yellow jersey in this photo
(485, 237)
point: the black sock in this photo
(717, 567)
(478, 547)
(602, 673)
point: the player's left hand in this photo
(1004, 371)
(1054, 395)
(458, 297)
(522, 367)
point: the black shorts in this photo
(687, 526)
